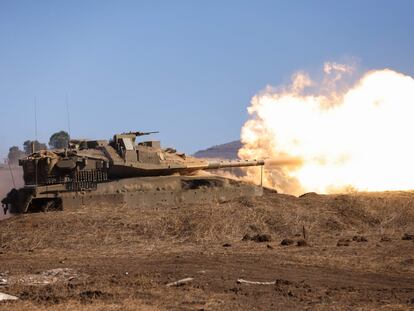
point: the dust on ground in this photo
(341, 252)
(9, 178)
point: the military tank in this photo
(121, 171)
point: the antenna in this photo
(67, 113)
(34, 144)
(35, 115)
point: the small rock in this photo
(257, 238)
(286, 242)
(301, 242)
(359, 238)
(226, 245)
(269, 246)
(247, 237)
(385, 239)
(343, 242)
(408, 237)
(235, 289)
(261, 238)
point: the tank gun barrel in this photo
(234, 163)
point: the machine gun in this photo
(140, 133)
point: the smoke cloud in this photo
(332, 135)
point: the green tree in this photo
(59, 140)
(27, 146)
(15, 154)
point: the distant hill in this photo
(223, 151)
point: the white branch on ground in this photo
(240, 281)
(4, 297)
(180, 282)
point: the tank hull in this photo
(134, 192)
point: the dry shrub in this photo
(274, 214)
(75, 305)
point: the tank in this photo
(120, 171)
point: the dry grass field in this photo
(351, 255)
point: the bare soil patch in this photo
(97, 258)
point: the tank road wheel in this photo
(45, 205)
(52, 205)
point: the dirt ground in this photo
(351, 255)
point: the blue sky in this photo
(185, 68)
